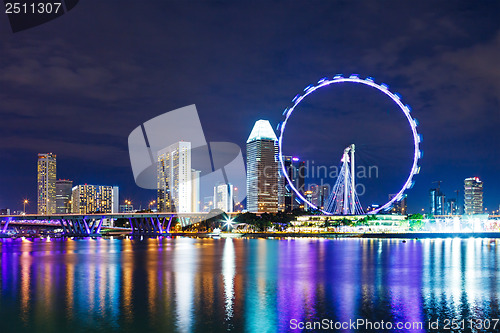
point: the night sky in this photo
(78, 85)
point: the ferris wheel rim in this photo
(396, 98)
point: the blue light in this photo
(308, 87)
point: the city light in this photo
(229, 222)
(25, 202)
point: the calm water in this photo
(252, 285)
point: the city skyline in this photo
(273, 166)
(440, 60)
(174, 163)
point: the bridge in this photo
(84, 225)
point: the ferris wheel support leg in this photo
(345, 204)
(353, 184)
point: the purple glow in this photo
(4, 230)
(417, 138)
(169, 222)
(98, 229)
(295, 159)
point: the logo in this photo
(27, 14)
(170, 154)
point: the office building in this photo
(46, 169)
(174, 178)
(90, 199)
(195, 191)
(223, 197)
(437, 202)
(262, 169)
(238, 207)
(320, 195)
(296, 171)
(63, 196)
(399, 207)
(451, 207)
(309, 196)
(473, 196)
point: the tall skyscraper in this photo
(437, 202)
(320, 195)
(237, 206)
(46, 168)
(473, 196)
(296, 171)
(223, 197)
(174, 178)
(63, 196)
(195, 191)
(262, 169)
(89, 199)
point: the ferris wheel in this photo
(343, 199)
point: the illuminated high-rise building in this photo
(437, 202)
(223, 197)
(473, 196)
(63, 196)
(296, 170)
(46, 169)
(237, 204)
(262, 169)
(320, 195)
(90, 199)
(195, 191)
(174, 178)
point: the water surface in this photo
(243, 285)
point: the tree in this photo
(416, 222)
(415, 217)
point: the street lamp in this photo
(25, 202)
(151, 203)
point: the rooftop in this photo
(262, 130)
